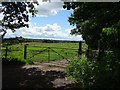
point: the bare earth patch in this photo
(38, 75)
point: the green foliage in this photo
(110, 37)
(90, 20)
(109, 31)
(92, 74)
(81, 72)
(108, 70)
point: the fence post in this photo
(80, 48)
(25, 51)
(88, 52)
(100, 50)
(6, 52)
(48, 54)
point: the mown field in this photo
(43, 51)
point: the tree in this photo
(97, 22)
(15, 15)
(20, 39)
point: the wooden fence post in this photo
(88, 52)
(80, 48)
(6, 52)
(48, 54)
(25, 51)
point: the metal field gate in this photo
(37, 53)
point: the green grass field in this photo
(43, 51)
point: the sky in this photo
(51, 22)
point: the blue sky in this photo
(51, 22)
(60, 18)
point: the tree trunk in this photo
(2, 36)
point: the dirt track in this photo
(38, 75)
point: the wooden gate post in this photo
(80, 48)
(25, 51)
(48, 54)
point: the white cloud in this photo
(1, 32)
(50, 0)
(53, 27)
(1, 16)
(50, 31)
(46, 9)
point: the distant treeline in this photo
(20, 40)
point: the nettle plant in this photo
(94, 74)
